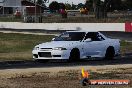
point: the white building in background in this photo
(9, 6)
(24, 6)
(11, 3)
(1, 2)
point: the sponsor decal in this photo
(128, 27)
(109, 82)
(85, 80)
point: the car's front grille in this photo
(44, 54)
(45, 49)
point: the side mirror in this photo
(53, 39)
(88, 40)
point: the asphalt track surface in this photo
(125, 60)
(120, 62)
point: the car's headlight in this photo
(59, 48)
(36, 48)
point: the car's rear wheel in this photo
(110, 53)
(74, 55)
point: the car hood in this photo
(54, 44)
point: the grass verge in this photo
(19, 46)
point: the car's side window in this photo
(100, 37)
(94, 36)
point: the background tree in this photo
(74, 7)
(53, 6)
(116, 5)
(96, 4)
(40, 2)
(127, 4)
(62, 6)
(89, 5)
(99, 7)
(80, 5)
(68, 6)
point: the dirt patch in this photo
(64, 79)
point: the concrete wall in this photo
(65, 26)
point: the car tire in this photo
(74, 55)
(110, 53)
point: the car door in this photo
(95, 47)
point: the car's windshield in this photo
(70, 36)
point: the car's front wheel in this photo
(110, 53)
(74, 55)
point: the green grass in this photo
(19, 46)
(10, 19)
(126, 47)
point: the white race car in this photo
(76, 45)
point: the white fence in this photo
(65, 26)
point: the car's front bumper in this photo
(52, 54)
